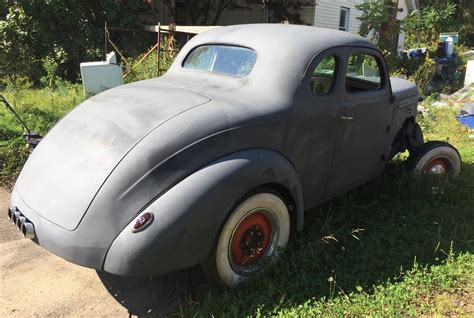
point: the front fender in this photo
(189, 215)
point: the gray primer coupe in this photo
(252, 124)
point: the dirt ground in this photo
(35, 282)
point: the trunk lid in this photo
(68, 167)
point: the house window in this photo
(344, 19)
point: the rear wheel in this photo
(250, 239)
(435, 158)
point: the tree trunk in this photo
(388, 35)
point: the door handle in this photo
(347, 118)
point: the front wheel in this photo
(435, 158)
(250, 239)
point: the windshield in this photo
(224, 59)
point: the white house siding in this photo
(328, 12)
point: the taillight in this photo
(142, 221)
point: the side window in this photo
(323, 76)
(363, 73)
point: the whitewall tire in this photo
(435, 158)
(250, 240)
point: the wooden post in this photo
(158, 45)
(106, 40)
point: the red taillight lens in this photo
(142, 221)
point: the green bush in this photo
(423, 27)
(42, 38)
(137, 69)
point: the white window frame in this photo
(346, 22)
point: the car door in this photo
(362, 144)
(318, 124)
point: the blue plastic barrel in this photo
(467, 120)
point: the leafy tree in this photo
(289, 11)
(379, 23)
(194, 12)
(38, 37)
(462, 19)
(422, 27)
(374, 15)
(208, 12)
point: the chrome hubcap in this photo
(437, 166)
(437, 169)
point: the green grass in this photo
(40, 109)
(393, 247)
(365, 253)
(390, 248)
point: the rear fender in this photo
(187, 217)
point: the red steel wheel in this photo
(435, 158)
(251, 239)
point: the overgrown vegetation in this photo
(380, 25)
(40, 109)
(461, 20)
(422, 29)
(47, 40)
(209, 12)
(146, 67)
(40, 38)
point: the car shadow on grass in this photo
(361, 239)
(154, 296)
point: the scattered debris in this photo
(469, 77)
(440, 104)
(417, 53)
(462, 101)
(422, 111)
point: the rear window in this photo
(224, 59)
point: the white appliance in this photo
(100, 76)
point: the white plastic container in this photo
(449, 46)
(100, 76)
(469, 79)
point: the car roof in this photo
(301, 37)
(284, 51)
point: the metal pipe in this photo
(141, 60)
(106, 40)
(10, 108)
(28, 230)
(15, 217)
(158, 48)
(20, 221)
(10, 213)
